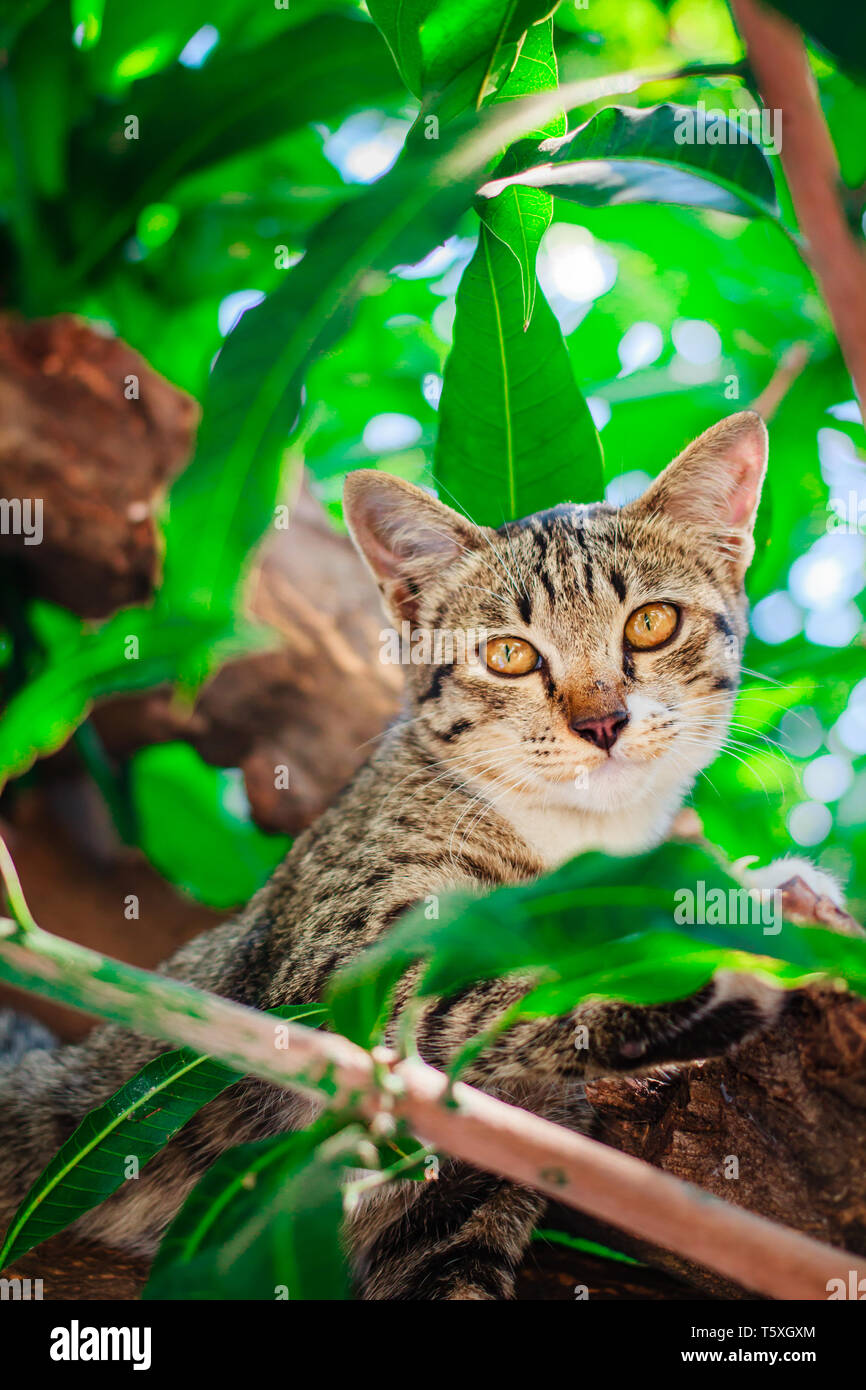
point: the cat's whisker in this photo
(724, 747)
(680, 761)
(403, 724)
(485, 772)
(489, 804)
(479, 588)
(471, 765)
(440, 487)
(424, 770)
(751, 733)
(771, 680)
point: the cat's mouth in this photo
(618, 766)
(594, 764)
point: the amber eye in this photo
(651, 625)
(511, 656)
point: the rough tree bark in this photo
(99, 463)
(777, 1128)
(315, 703)
(75, 436)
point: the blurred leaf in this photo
(194, 825)
(135, 40)
(132, 651)
(136, 1122)
(43, 78)
(230, 106)
(515, 434)
(264, 1219)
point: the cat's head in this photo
(601, 645)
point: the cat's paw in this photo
(780, 872)
(809, 895)
(636, 1037)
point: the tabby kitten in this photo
(603, 687)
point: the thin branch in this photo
(793, 363)
(454, 1119)
(778, 59)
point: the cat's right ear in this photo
(405, 535)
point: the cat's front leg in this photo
(460, 1237)
(801, 892)
(598, 1037)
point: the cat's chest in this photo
(557, 834)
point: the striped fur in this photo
(482, 782)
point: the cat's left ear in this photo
(715, 485)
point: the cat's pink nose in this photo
(602, 732)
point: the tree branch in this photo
(777, 57)
(461, 1121)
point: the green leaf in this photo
(42, 715)
(454, 43)
(650, 968)
(138, 1120)
(253, 395)
(263, 1223)
(520, 216)
(587, 1247)
(231, 105)
(193, 824)
(515, 434)
(596, 926)
(627, 155)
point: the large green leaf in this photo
(596, 926)
(628, 155)
(194, 831)
(515, 434)
(223, 500)
(43, 714)
(263, 1223)
(137, 1121)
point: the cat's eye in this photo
(511, 656)
(651, 625)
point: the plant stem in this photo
(14, 892)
